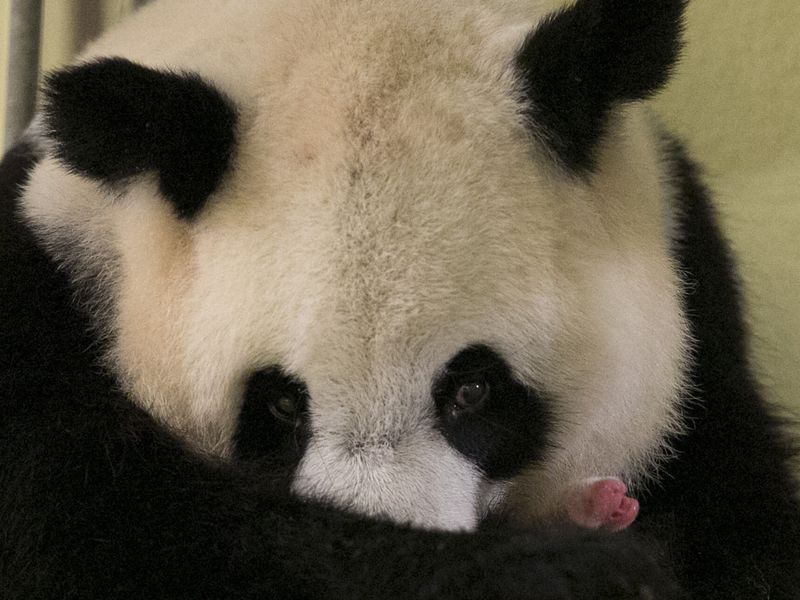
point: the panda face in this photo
(392, 290)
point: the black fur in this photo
(582, 61)
(509, 431)
(99, 502)
(113, 119)
(728, 505)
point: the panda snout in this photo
(360, 446)
(391, 475)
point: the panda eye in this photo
(472, 395)
(284, 408)
(274, 419)
(276, 396)
(497, 422)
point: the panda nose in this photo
(380, 444)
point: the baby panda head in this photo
(421, 264)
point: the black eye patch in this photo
(273, 423)
(488, 416)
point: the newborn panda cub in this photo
(602, 502)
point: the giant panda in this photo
(357, 299)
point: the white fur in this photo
(385, 210)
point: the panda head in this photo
(419, 259)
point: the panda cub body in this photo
(377, 299)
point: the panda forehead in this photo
(372, 241)
(377, 271)
(391, 248)
(379, 77)
(377, 281)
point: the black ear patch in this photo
(583, 60)
(113, 119)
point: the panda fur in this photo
(361, 206)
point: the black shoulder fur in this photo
(728, 502)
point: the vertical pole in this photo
(23, 67)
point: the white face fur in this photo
(385, 210)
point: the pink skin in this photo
(602, 503)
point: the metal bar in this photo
(23, 67)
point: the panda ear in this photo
(113, 119)
(582, 61)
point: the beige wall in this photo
(67, 25)
(735, 100)
(736, 93)
(5, 9)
